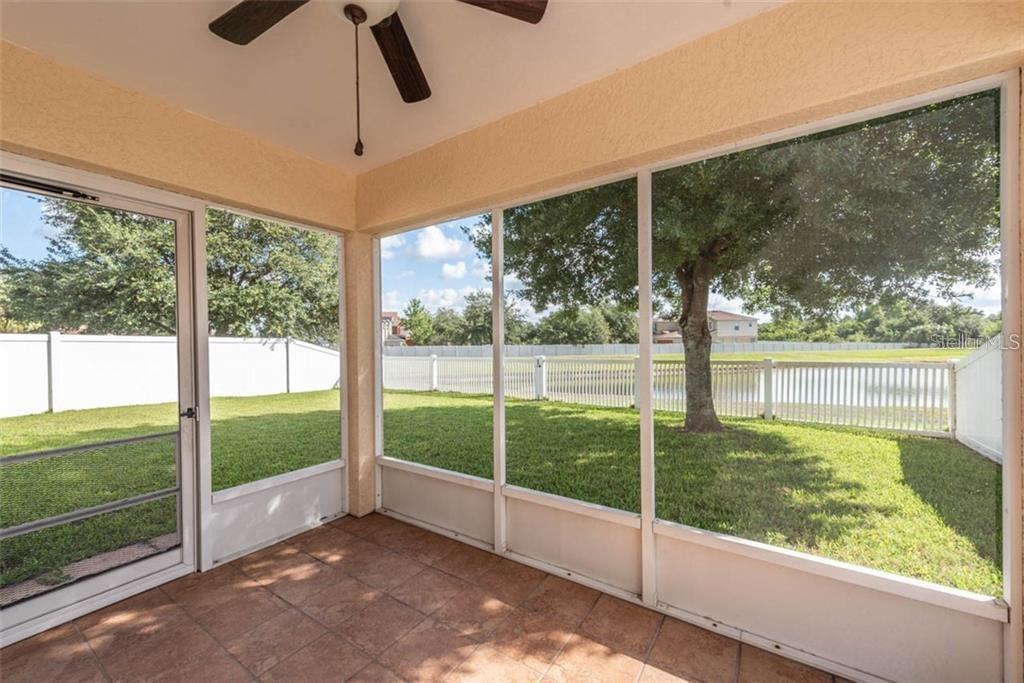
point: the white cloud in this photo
(481, 268)
(431, 243)
(389, 246)
(527, 309)
(391, 300)
(453, 271)
(434, 299)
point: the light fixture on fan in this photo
(249, 19)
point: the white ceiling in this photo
(294, 84)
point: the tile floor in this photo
(374, 599)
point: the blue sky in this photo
(22, 229)
(437, 265)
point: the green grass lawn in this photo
(253, 438)
(928, 508)
(917, 506)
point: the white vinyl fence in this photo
(56, 372)
(918, 397)
(979, 400)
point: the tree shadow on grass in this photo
(748, 481)
(755, 482)
(963, 487)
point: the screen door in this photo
(96, 395)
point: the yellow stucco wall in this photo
(51, 111)
(799, 63)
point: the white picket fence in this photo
(910, 397)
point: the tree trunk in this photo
(695, 284)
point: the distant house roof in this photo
(389, 315)
(726, 315)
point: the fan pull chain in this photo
(359, 134)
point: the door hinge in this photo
(190, 413)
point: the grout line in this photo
(96, 657)
(650, 646)
(217, 641)
(739, 660)
(312, 642)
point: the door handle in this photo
(190, 413)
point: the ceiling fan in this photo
(250, 19)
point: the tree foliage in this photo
(904, 207)
(417, 322)
(113, 272)
(905, 321)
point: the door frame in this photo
(34, 615)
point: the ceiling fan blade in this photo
(249, 19)
(401, 59)
(531, 11)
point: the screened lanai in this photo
(510, 341)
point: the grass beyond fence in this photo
(917, 506)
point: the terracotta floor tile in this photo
(272, 611)
(131, 623)
(190, 581)
(159, 656)
(622, 626)
(328, 545)
(510, 581)
(533, 638)
(474, 613)
(219, 589)
(687, 651)
(339, 602)
(263, 564)
(328, 658)
(761, 666)
(384, 621)
(428, 652)
(363, 526)
(296, 578)
(215, 666)
(356, 557)
(486, 665)
(566, 599)
(267, 645)
(467, 562)
(652, 674)
(583, 659)
(60, 654)
(428, 590)
(387, 570)
(430, 547)
(396, 538)
(245, 612)
(375, 673)
(299, 540)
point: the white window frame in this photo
(1007, 609)
(62, 605)
(208, 498)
